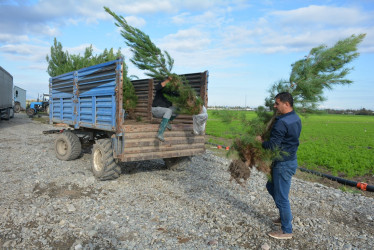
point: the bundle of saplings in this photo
(322, 69)
(158, 65)
(130, 99)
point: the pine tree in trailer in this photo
(130, 99)
(323, 68)
(158, 64)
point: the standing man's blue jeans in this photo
(279, 188)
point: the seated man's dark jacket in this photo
(285, 136)
(160, 100)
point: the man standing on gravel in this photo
(284, 136)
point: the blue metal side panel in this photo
(87, 97)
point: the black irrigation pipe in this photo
(359, 185)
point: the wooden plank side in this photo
(130, 143)
(139, 127)
(178, 120)
(162, 148)
(204, 88)
(150, 99)
(150, 134)
(160, 155)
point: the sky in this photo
(246, 46)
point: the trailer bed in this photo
(141, 142)
(91, 99)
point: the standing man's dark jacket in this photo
(285, 135)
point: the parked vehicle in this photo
(6, 95)
(19, 99)
(39, 106)
(88, 105)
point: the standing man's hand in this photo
(259, 138)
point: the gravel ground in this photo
(46, 203)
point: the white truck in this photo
(19, 99)
(6, 95)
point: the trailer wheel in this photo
(104, 166)
(67, 146)
(177, 162)
(17, 107)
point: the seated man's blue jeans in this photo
(279, 188)
(160, 112)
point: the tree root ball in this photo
(239, 171)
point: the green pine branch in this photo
(147, 56)
(158, 65)
(323, 68)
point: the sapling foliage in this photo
(157, 64)
(322, 69)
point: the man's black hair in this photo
(285, 97)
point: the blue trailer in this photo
(88, 106)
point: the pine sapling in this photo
(157, 64)
(322, 69)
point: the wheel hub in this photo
(97, 161)
(61, 147)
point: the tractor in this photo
(39, 106)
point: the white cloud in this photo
(209, 18)
(29, 56)
(81, 48)
(300, 30)
(34, 56)
(10, 38)
(322, 16)
(186, 40)
(135, 21)
(25, 51)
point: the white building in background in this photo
(20, 96)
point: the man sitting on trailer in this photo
(163, 108)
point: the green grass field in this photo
(340, 144)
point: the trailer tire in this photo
(104, 167)
(67, 146)
(177, 162)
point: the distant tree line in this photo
(60, 62)
(362, 111)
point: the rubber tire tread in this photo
(7, 114)
(111, 170)
(17, 108)
(74, 148)
(30, 112)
